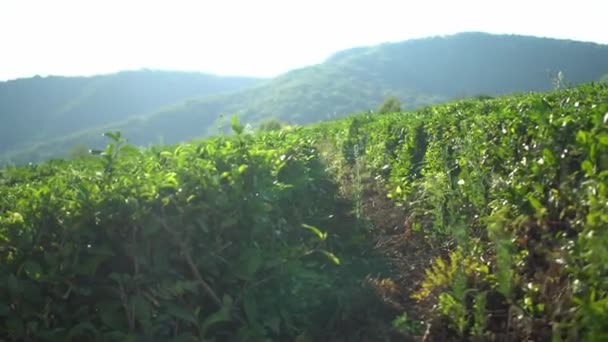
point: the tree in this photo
(270, 125)
(390, 105)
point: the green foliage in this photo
(185, 242)
(516, 188)
(226, 236)
(270, 125)
(404, 324)
(480, 314)
(354, 141)
(237, 128)
(390, 105)
(441, 275)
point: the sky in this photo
(254, 37)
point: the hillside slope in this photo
(418, 72)
(38, 109)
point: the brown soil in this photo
(407, 252)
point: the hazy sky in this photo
(254, 37)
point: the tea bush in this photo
(517, 185)
(226, 238)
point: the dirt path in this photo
(406, 252)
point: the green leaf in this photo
(222, 315)
(130, 151)
(587, 166)
(236, 127)
(16, 218)
(32, 269)
(143, 309)
(250, 307)
(254, 261)
(331, 256)
(115, 136)
(536, 204)
(88, 265)
(181, 313)
(50, 258)
(13, 285)
(227, 301)
(548, 156)
(316, 230)
(582, 137)
(603, 139)
(110, 313)
(118, 278)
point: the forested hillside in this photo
(418, 72)
(475, 220)
(42, 108)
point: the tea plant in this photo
(180, 242)
(246, 237)
(517, 184)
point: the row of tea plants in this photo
(227, 238)
(515, 191)
(245, 237)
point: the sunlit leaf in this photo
(32, 269)
(587, 166)
(331, 257)
(317, 231)
(536, 204)
(115, 136)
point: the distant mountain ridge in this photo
(42, 108)
(419, 72)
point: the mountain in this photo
(38, 109)
(419, 72)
